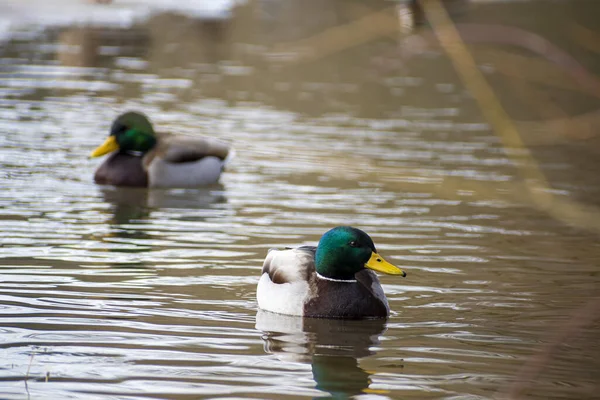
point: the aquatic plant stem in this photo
(539, 190)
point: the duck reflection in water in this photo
(130, 205)
(333, 347)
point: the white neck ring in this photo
(335, 280)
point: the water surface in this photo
(144, 294)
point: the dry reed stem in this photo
(586, 37)
(580, 318)
(562, 209)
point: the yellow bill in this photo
(377, 263)
(109, 145)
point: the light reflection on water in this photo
(132, 293)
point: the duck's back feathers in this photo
(185, 162)
(183, 149)
(290, 265)
(283, 287)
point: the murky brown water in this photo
(135, 294)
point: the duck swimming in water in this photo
(333, 280)
(140, 157)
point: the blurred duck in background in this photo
(142, 158)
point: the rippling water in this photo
(137, 294)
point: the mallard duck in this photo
(141, 157)
(333, 280)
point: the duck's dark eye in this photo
(353, 244)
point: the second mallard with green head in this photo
(143, 158)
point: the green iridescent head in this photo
(130, 132)
(344, 251)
